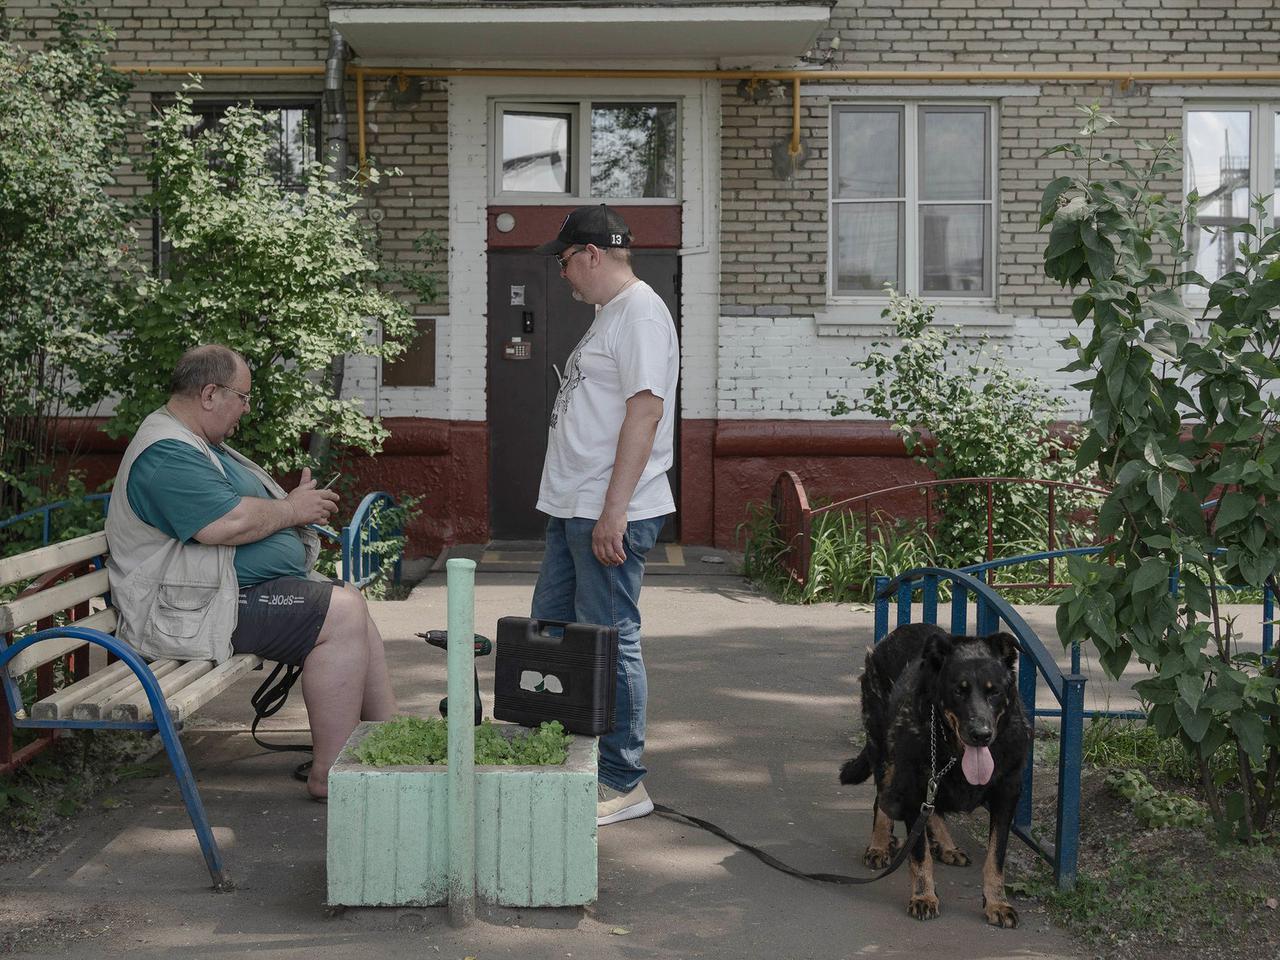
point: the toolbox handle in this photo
(536, 630)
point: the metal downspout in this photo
(335, 109)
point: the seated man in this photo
(209, 556)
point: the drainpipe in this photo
(335, 155)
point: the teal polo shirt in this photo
(174, 488)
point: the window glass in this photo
(869, 241)
(954, 247)
(869, 154)
(1216, 165)
(536, 155)
(633, 150)
(293, 131)
(954, 154)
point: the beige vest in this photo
(177, 600)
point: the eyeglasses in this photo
(244, 397)
(564, 259)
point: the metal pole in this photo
(462, 742)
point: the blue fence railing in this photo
(361, 559)
(46, 513)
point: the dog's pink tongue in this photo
(977, 765)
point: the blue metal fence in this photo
(46, 513)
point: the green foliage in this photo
(963, 413)
(1130, 898)
(75, 519)
(1180, 413)
(285, 278)
(414, 741)
(843, 565)
(64, 240)
(1156, 808)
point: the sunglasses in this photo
(564, 259)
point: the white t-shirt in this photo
(631, 346)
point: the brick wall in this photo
(775, 361)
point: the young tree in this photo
(64, 240)
(284, 277)
(1183, 429)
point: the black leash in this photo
(269, 698)
(926, 811)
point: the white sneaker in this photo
(614, 807)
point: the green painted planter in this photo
(388, 839)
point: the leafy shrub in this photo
(1181, 412)
(962, 412)
(843, 564)
(1156, 808)
(415, 741)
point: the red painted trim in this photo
(809, 438)
(652, 226)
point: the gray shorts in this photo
(281, 618)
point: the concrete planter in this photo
(535, 831)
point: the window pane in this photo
(535, 151)
(293, 143)
(869, 239)
(869, 154)
(954, 157)
(633, 150)
(954, 245)
(1217, 162)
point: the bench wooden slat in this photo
(18, 613)
(58, 706)
(186, 702)
(49, 650)
(138, 707)
(99, 708)
(31, 564)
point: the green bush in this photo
(1181, 412)
(962, 412)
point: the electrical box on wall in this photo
(416, 367)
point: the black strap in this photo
(916, 830)
(268, 699)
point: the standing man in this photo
(604, 482)
(209, 556)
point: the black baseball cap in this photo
(595, 224)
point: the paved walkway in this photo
(752, 711)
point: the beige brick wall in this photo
(775, 231)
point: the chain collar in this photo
(936, 775)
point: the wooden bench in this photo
(66, 606)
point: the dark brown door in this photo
(534, 324)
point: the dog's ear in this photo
(1005, 647)
(936, 651)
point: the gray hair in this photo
(209, 363)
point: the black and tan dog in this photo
(921, 680)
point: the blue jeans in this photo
(573, 585)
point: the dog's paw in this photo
(1001, 914)
(953, 855)
(923, 907)
(877, 858)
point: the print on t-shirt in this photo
(572, 377)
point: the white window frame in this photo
(1262, 162)
(912, 201)
(580, 150)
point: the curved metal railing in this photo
(795, 517)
